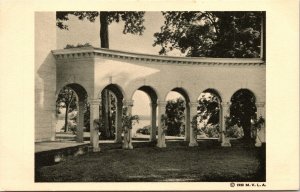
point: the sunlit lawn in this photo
(178, 163)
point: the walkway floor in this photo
(53, 145)
(63, 143)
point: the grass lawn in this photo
(178, 163)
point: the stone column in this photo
(193, 112)
(94, 128)
(187, 117)
(161, 143)
(54, 120)
(118, 138)
(80, 124)
(153, 109)
(225, 113)
(220, 122)
(127, 144)
(261, 134)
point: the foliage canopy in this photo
(211, 34)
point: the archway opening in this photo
(145, 106)
(111, 113)
(177, 112)
(208, 111)
(71, 111)
(242, 114)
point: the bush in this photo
(234, 132)
(68, 46)
(211, 130)
(144, 130)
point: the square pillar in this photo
(261, 133)
(94, 127)
(153, 109)
(127, 144)
(193, 112)
(80, 124)
(187, 122)
(225, 113)
(161, 142)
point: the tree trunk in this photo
(247, 131)
(105, 112)
(66, 118)
(104, 29)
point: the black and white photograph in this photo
(144, 96)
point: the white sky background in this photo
(87, 32)
(84, 31)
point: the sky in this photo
(87, 32)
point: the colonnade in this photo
(160, 107)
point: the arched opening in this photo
(111, 113)
(242, 115)
(209, 115)
(145, 106)
(178, 115)
(72, 113)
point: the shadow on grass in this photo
(206, 163)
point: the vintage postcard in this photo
(140, 96)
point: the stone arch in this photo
(248, 91)
(119, 94)
(215, 119)
(213, 91)
(77, 87)
(116, 89)
(243, 109)
(187, 112)
(149, 90)
(81, 95)
(244, 89)
(181, 91)
(152, 94)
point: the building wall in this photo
(163, 77)
(45, 76)
(80, 72)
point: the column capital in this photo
(94, 101)
(128, 102)
(260, 104)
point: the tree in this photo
(208, 113)
(133, 21)
(175, 117)
(211, 34)
(242, 111)
(67, 96)
(208, 109)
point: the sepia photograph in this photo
(135, 95)
(150, 96)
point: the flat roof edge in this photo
(92, 51)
